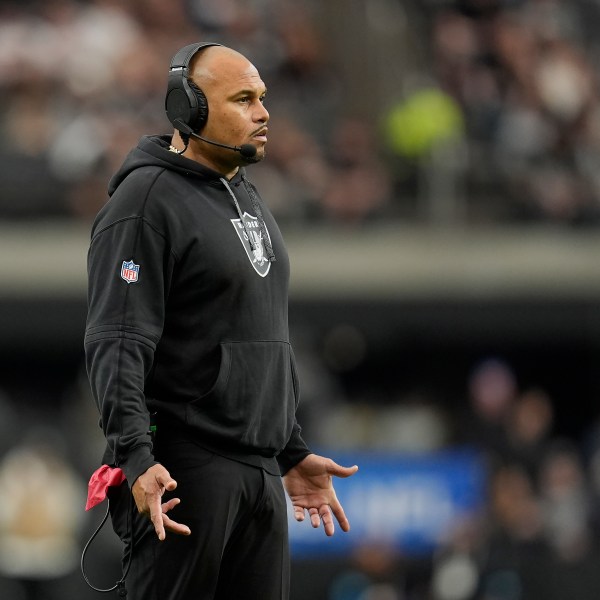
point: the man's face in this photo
(236, 113)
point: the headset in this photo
(185, 103)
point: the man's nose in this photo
(262, 114)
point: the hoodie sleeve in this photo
(129, 272)
(294, 451)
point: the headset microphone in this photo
(246, 150)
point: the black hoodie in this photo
(187, 316)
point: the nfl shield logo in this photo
(130, 271)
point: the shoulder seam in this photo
(141, 216)
(143, 210)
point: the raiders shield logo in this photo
(257, 256)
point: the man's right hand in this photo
(148, 490)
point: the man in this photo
(188, 353)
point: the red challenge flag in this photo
(100, 481)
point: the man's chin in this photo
(260, 155)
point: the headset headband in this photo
(184, 56)
(185, 103)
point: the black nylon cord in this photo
(263, 228)
(120, 585)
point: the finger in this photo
(315, 519)
(156, 516)
(340, 515)
(175, 527)
(328, 524)
(169, 485)
(172, 503)
(340, 471)
(299, 513)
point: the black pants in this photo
(238, 548)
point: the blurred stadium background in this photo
(435, 168)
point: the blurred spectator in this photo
(376, 574)
(529, 430)
(424, 134)
(457, 564)
(515, 509)
(41, 518)
(492, 390)
(359, 187)
(9, 423)
(566, 503)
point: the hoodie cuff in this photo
(295, 451)
(138, 461)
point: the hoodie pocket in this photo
(253, 400)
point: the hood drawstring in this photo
(257, 209)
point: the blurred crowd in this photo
(526, 78)
(538, 534)
(496, 118)
(81, 81)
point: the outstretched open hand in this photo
(310, 487)
(148, 490)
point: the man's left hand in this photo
(310, 487)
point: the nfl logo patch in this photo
(130, 271)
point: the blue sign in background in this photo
(404, 501)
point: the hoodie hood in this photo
(153, 150)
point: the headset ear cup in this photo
(185, 103)
(200, 115)
(178, 107)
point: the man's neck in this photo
(191, 152)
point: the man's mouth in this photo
(261, 135)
